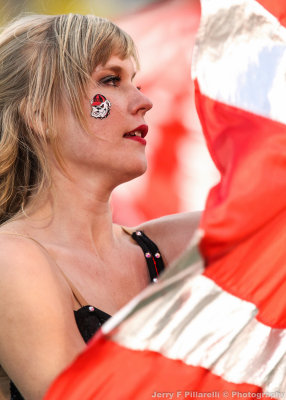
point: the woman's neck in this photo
(74, 212)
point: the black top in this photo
(89, 319)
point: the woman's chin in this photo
(134, 172)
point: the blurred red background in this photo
(180, 171)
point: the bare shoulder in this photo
(22, 258)
(28, 278)
(30, 283)
(38, 335)
(172, 233)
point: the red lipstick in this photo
(138, 134)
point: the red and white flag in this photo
(215, 325)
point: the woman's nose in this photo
(142, 103)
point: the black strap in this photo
(151, 253)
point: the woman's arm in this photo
(172, 233)
(38, 335)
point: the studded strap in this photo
(152, 254)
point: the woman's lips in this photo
(137, 139)
(137, 134)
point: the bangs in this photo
(115, 42)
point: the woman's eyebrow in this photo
(118, 70)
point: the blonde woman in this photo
(72, 129)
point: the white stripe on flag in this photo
(195, 321)
(240, 57)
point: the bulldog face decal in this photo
(100, 106)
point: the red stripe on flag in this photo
(245, 217)
(255, 271)
(107, 371)
(250, 152)
(277, 8)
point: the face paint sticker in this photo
(100, 106)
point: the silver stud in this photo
(138, 233)
(91, 308)
(147, 255)
(155, 280)
(157, 255)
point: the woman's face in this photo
(115, 145)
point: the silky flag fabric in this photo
(247, 98)
(215, 324)
(277, 8)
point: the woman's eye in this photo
(112, 80)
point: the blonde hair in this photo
(42, 57)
